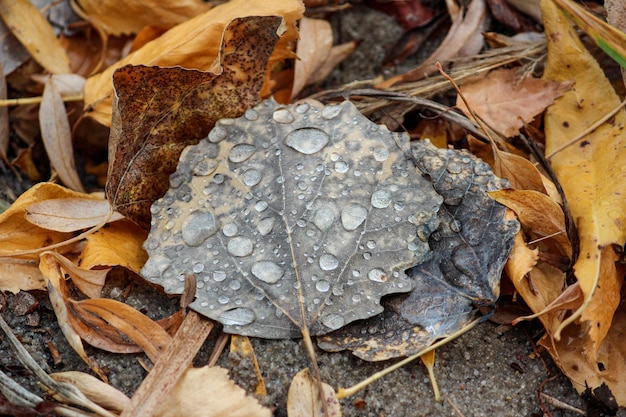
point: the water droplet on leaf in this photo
(241, 152)
(328, 262)
(267, 271)
(240, 246)
(352, 216)
(308, 140)
(198, 226)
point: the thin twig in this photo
(562, 405)
(454, 407)
(9, 102)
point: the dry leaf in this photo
(16, 276)
(117, 244)
(35, 33)
(70, 214)
(195, 44)
(132, 16)
(304, 399)
(94, 389)
(463, 39)
(506, 102)
(208, 392)
(56, 135)
(4, 119)
(89, 282)
(591, 171)
(143, 331)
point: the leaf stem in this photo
(9, 102)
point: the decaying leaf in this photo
(70, 214)
(291, 218)
(196, 44)
(159, 111)
(97, 391)
(469, 249)
(208, 392)
(505, 102)
(304, 398)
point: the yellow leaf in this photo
(118, 244)
(242, 348)
(208, 392)
(592, 171)
(135, 15)
(16, 276)
(89, 282)
(33, 31)
(194, 44)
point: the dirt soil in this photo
(491, 371)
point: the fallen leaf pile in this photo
(206, 148)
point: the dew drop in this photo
(267, 271)
(266, 225)
(333, 321)
(330, 112)
(199, 226)
(302, 108)
(240, 246)
(230, 229)
(356, 298)
(325, 216)
(377, 275)
(381, 199)
(218, 179)
(260, 206)
(370, 244)
(223, 299)
(241, 152)
(251, 177)
(308, 140)
(455, 226)
(454, 167)
(251, 115)
(217, 134)
(197, 268)
(283, 116)
(234, 285)
(328, 262)
(381, 154)
(352, 216)
(204, 168)
(322, 286)
(156, 266)
(240, 316)
(341, 167)
(219, 276)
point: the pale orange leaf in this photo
(94, 389)
(506, 102)
(316, 41)
(208, 392)
(56, 135)
(70, 214)
(16, 276)
(88, 281)
(304, 399)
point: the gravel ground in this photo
(488, 372)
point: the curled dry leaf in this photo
(505, 101)
(89, 282)
(208, 392)
(159, 111)
(35, 33)
(94, 389)
(304, 399)
(56, 135)
(132, 16)
(70, 214)
(196, 44)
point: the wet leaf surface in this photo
(469, 249)
(159, 111)
(291, 218)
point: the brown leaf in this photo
(208, 392)
(4, 119)
(70, 214)
(56, 135)
(241, 349)
(89, 282)
(35, 33)
(159, 111)
(505, 102)
(196, 44)
(134, 15)
(304, 399)
(139, 328)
